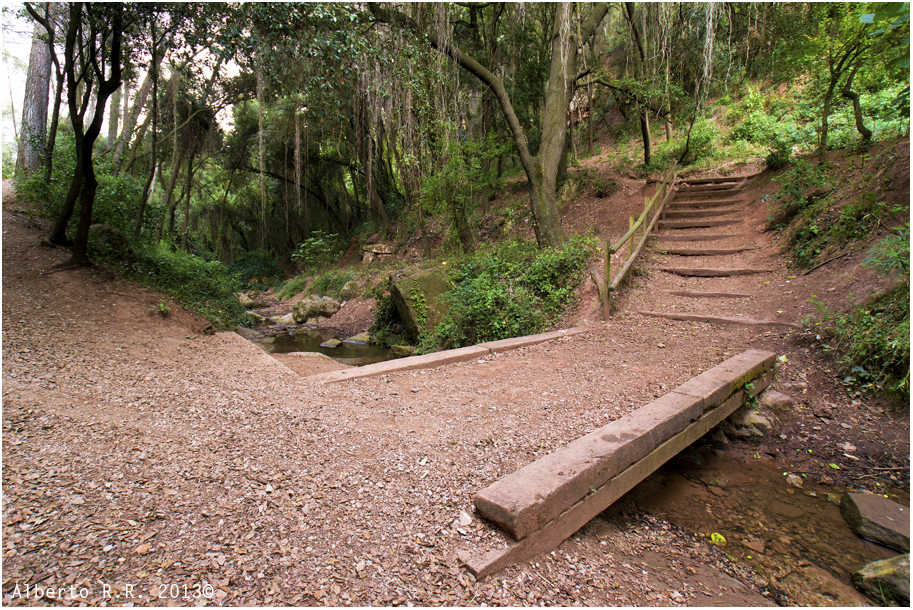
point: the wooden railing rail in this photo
(663, 194)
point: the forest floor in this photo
(145, 461)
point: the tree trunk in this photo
(172, 210)
(589, 116)
(825, 114)
(59, 232)
(485, 196)
(90, 182)
(458, 217)
(130, 118)
(52, 132)
(541, 170)
(169, 190)
(155, 164)
(857, 107)
(33, 134)
(187, 203)
(645, 133)
(114, 118)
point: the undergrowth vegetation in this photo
(872, 343)
(826, 211)
(204, 287)
(509, 290)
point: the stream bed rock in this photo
(314, 307)
(887, 581)
(877, 518)
(419, 299)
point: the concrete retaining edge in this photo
(426, 361)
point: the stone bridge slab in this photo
(525, 501)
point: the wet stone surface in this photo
(796, 539)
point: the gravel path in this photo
(142, 457)
(146, 461)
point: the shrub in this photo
(512, 290)
(257, 269)
(318, 250)
(604, 188)
(9, 164)
(779, 155)
(892, 254)
(331, 283)
(202, 286)
(873, 341)
(292, 287)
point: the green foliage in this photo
(509, 291)
(161, 309)
(9, 164)
(892, 35)
(421, 307)
(704, 145)
(454, 188)
(892, 254)
(873, 341)
(801, 178)
(293, 286)
(116, 198)
(822, 225)
(779, 156)
(256, 270)
(825, 230)
(318, 250)
(202, 286)
(704, 136)
(387, 327)
(604, 187)
(331, 283)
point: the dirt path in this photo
(145, 457)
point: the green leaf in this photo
(834, 466)
(717, 539)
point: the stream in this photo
(795, 538)
(287, 339)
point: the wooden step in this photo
(693, 317)
(696, 237)
(713, 180)
(709, 188)
(699, 204)
(712, 272)
(708, 295)
(695, 224)
(703, 251)
(685, 214)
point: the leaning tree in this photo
(570, 27)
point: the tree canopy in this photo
(240, 128)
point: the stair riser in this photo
(698, 224)
(676, 204)
(699, 214)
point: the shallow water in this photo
(309, 339)
(795, 537)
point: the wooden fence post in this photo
(607, 269)
(631, 239)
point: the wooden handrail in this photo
(663, 193)
(647, 206)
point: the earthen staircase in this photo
(705, 243)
